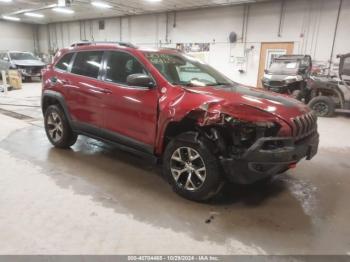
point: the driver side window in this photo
(120, 65)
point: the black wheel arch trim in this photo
(331, 88)
(60, 98)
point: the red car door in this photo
(85, 96)
(130, 112)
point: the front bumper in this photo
(30, 72)
(277, 89)
(30, 75)
(260, 161)
(282, 87)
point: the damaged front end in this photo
(252, 144)
(30, 71)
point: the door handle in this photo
(54, 80)
(106, 91)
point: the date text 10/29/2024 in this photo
(173, 258)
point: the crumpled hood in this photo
(279, 105)
(28, 62)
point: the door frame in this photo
(117, 135)
(289, 46)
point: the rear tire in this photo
(58, 129)
(191, 168)
(323, 106)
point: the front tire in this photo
(58, 129)
(191, 168)
(323, 106)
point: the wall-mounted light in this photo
(35, 15)
(63, 10)
(11, 18)
(101, 4)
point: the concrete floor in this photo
(95, 199)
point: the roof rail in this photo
(171, 49)
(87, 43)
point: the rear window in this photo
(88, 63)
(63, 64)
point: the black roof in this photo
(291, 57)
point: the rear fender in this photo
(50, 95)
(330, 90)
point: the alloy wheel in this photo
(55, 127)
(188, 168)
(321, 109)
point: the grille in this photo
(304, 125)
(33, 70)
(276, 83)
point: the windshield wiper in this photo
(219, 84)
(194, 84)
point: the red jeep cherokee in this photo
(205, 128)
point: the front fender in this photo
(206, 110)
(174, 106)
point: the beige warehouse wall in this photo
(308, 23)
(16, 36)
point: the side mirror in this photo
(140, 80)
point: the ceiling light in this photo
(154, 1)
(101, 4)
(6, 1)
(11, 18)
(36, 15)
(63, 10)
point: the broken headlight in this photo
(245, 134)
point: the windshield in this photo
(284, 67)
(22, 56)
(185, 70)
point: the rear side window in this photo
(63, 64)
(88, 63)
(120, 65)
